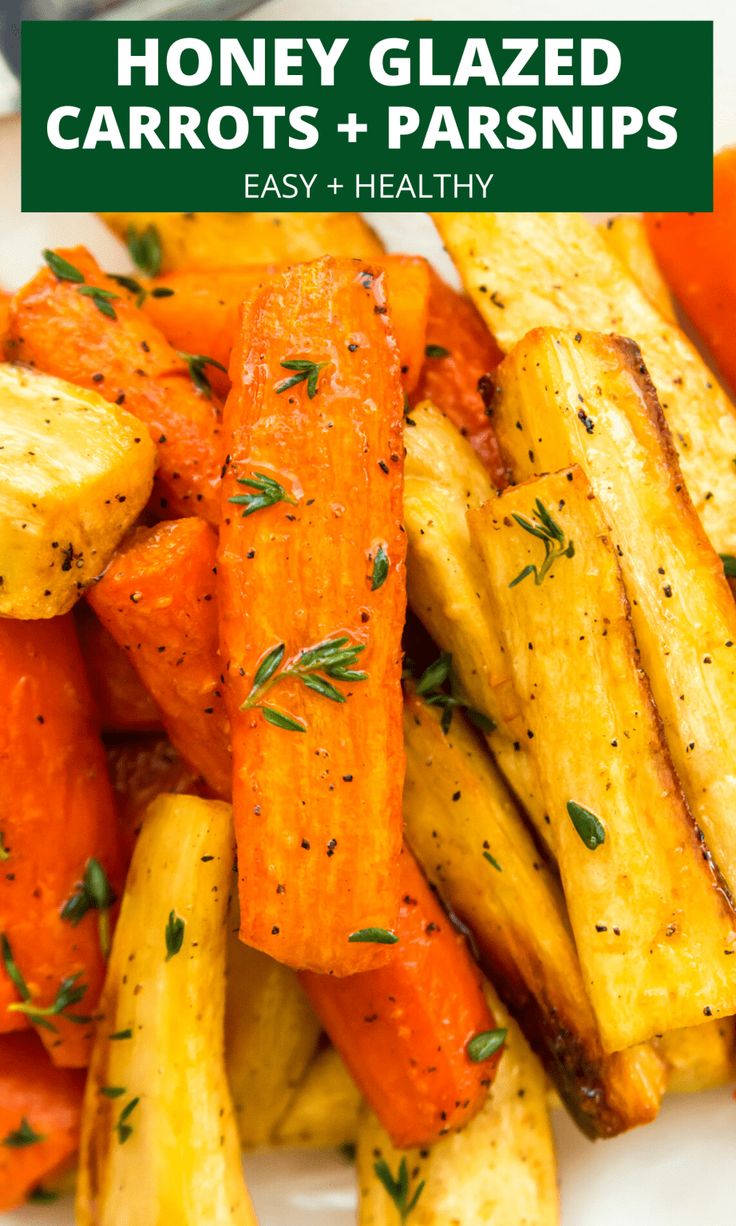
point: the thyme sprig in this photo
(482, 1046)
(398, 1187)
(196, 363)
(102, 298)
(122, 1128)
(140, 291)
(429, 687)
(316, 667)
(268, 493)
(729, 565)
(145, 249)
(306, 371)
(92, 893)
(550, 533)
(22, 1136)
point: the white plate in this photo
(675, 1172)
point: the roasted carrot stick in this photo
(408, 1031)
(108, 344)
(40, 1109)
(697, 254)
(311, 593)
(59, 837)
(156, 598)
(122, 702)
(202, 310)
(140, 769)
(459, 354)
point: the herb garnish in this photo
(588, 825)
(487, 856)
(483, 1046)
(4, 853)
(22, 1136)
(145, 249)
(69, 992)
(122, 1128)
(305, 370)
(122, 1034)
(729, 565)
(436, 351)
(140, 291)
(174, 935)
(429, 687)
(93, 892)
(398, 1188)
(553, 537)
(269, 493)
(373, 936)
(101, 298)
(334, 658)
(196, 363)
(112, 1091)
(42, 1196)
(380, 568)
(61, 268)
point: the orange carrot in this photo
(312, 556)
(121, 701)
(156, 598)
(697, 254)
(59, 836)
(203, 310)
(403, 1029)
(63, 331)
(140, 768)
(460, 353)
(40, 1109)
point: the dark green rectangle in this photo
(663, 63)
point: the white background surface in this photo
(678, 1171)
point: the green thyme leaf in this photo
(280, 719)
(483, 1046)
(398, 1188)
(306, 371)
(101, 298)
(729, 565)
(174, 935)
(436, 675)
(130, 283)
(22, 1136)
(480, 720)
(121, 1034)
(588, 825)
(547, 530)
(373, 936)
(380, 568)
(269, 492)
(162, 291)
(123, 1129)
(12, 970)
(61, 268)
(268, 665)
(145, 249)
(487, 856)
(196, 363)
(42, 1196)
(112, 1091)
(436, 351)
